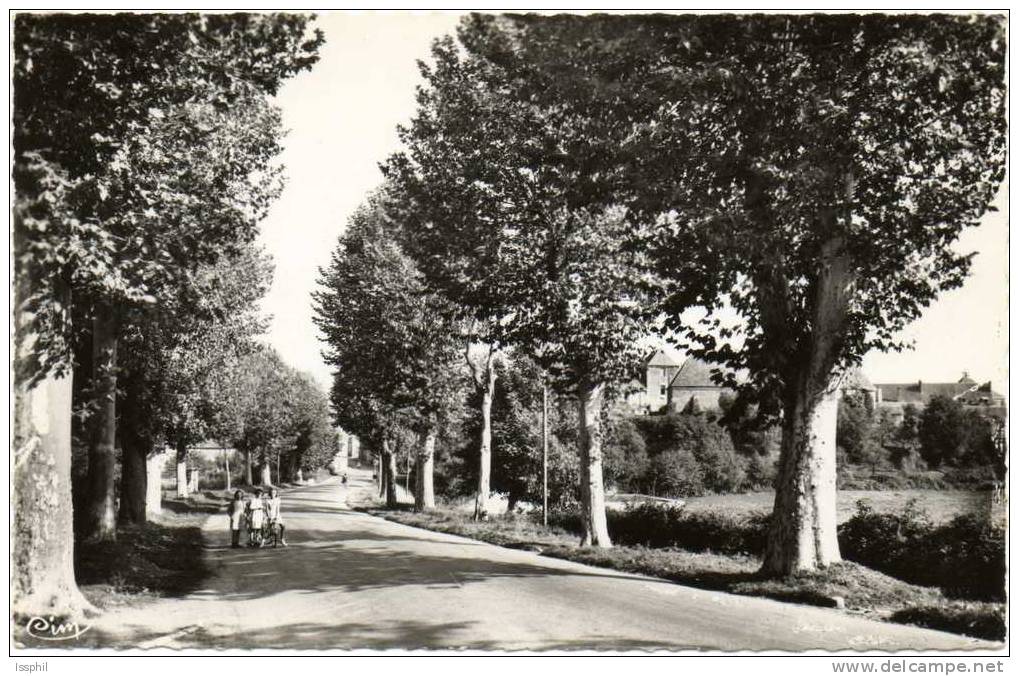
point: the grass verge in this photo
(861, 590)
(162, 558)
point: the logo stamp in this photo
(48, 629)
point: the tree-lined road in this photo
(350, 580)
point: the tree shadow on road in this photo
(403, 634)
(354, 560)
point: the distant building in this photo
(894, 397)
(674, 383)
(660, 370)
(693, 381)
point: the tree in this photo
(811, 174)
(943, 432)
(626, 457)
(516, 220)
(176, 360)
(156, 159)
(855, 431)
(315, 445)
(87, 88)
(390, 341)
(268, 425)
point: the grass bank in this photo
(859, 589)
(162, 558)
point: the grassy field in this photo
(942, 506)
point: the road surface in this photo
(350, 580)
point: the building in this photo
(692, 381)
(661, 368)
(674, 383)
(894, 397)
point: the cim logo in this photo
(50, 630)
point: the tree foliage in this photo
(132, 165)
(389, 339)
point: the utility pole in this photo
(544, 452)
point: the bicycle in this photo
(271, 531)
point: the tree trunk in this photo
(134, 479)
(248, 478)
(42, 532)
(266, 479)
(100, 505)
(389, 475)
(803, 533)
(381, 474)
(485, 447)
(424, 496)
(596, 530)
(183, 487)
(154, 484)
(226, 467)
(135, 447)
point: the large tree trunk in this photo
(154, 484)
(42, 532)
(424, 495)
(389, 474)
(485, 447)
(803, 533)
(183, 486)
(592, 488)
(100, 504)
(134, 478)
(135, 447)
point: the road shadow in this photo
(352, 560)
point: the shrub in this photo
(690, 455)
(656, 525)
(965, 557)
(660, 525)
(676, 473)
(971, 550)
(980, 620)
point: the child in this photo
(272, 511)
(236, 512)
(256, 517)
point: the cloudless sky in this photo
(342, 118)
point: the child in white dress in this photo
(272, 512)
(256, 517)
(236, 512)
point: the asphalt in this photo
(353, 581)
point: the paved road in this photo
(350, 580)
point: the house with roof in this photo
(659, 371)
(693, 381)
(894, 397)
(673, 382)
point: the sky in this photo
(342, 118)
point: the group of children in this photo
(255, 514)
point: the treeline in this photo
(674, 454)
(779, 193)
(943, 435)
(144, 158)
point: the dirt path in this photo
(350, 580)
